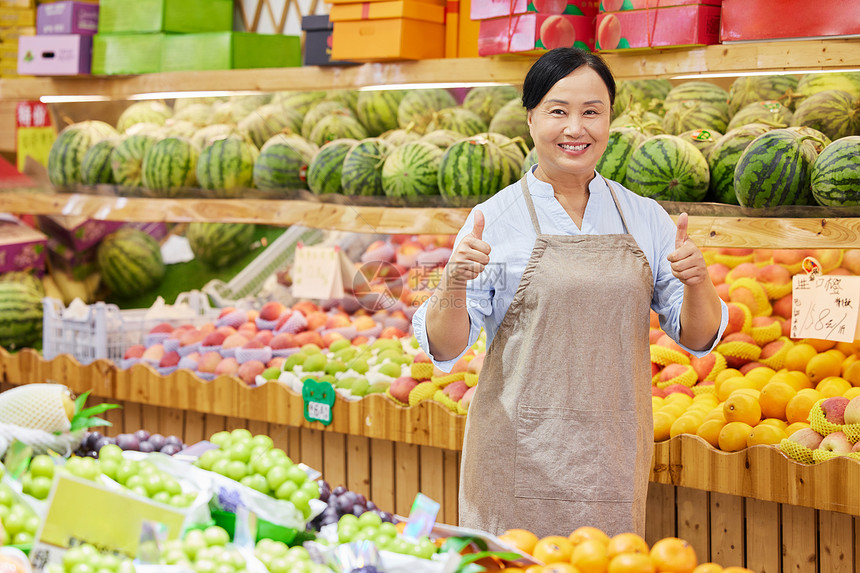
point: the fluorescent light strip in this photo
(183, 95)
(72, 99)
(430, 85)
(767, 73)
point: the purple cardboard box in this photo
(77, 233)
(63, 55)
(67, 18)
(22, 248)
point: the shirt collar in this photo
(539, 188)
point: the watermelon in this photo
(182, 103)
(649, 123)
(723, 158)
(68, 150)
(301, 102)
(512, 121)
(769, 112)
(154, 112)
(126, 160)
(775, 169)
(349, 98)
(170, 165)
(398, 137)
(412, 170)
(457, 119)
(668, 168)
(747, 90)
(377, 110)
(818, 140)
(206, 136)
(151, 129)
(514, 152)
(622, 141)
(442, 138)
(25, 278)
(219, 244)
(693, 114)
(337, 126)
(319, 111)
(326, 169)
(473, 167)
(198, 114)
(130, 262)
(95, 166)
(531, 159)
(696, 91)
(836, 174)
(261, 124)
(230, 112)
(283, 163)
(227, 166)
(835, 113)
(811, 84)
(649, 94)
(21, 312)
(362, 167)
(703, 139)
(485, 102)
(417, 107)
(180, 128)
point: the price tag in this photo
(319, 399)
(825, 307)
(34, 133)
(320, 272)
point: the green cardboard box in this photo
(181, 16)
(127, 53)
(229, 50)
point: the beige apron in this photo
(560, 433)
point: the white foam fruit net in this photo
(35, 406)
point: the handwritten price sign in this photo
(825, 307)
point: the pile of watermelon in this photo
(766, 141)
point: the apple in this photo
(401, 387)
(306, 307)
(316, 320)
(673, 388)
(339, 320)
(272, 310)
(264, 336)
(283, 340)
(659, 392)
(455, 390)
(153, 354)
(807, 437)
(135, 351)
(226, 366)
(362, 323)
(191, 337)
(309, 337)
(209, 361)
(837, 442)
(476, 364)
(214, 339)
(834, 409)
(169, 359)
(234, 341)
(249, 371)
(163, 327)
(851, 414)
(226, 330)
(466, 400)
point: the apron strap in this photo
(617, 206)
(530, 204)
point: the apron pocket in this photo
(575, 455)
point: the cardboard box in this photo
(745, 20)
(77, 264)
(229, 50)
(182, 16)
(12, 34)
(76, 233)
(17, 4)
(622, 5)
(419, 37)
(127, 53)
(484, 9)
(534, 33)
(468, 31)
(14, 17)
(55, 55)
(22, 248)
(692, 25)
(9, 51)
(318, 40)
(67, 18)
(381, 10)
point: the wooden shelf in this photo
(726, 59)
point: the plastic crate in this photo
(106, 331)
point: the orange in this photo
(776, 423)
(742, 408)
(726, 374)
(733, 436)
(678, 398)
(725, 389)
(748, 391)
(716, 414)
(631, 563)
(801, 380)
(553, 549)
(708, 568)
(737, 570)
(522, 539)
(833, 386)
(799, 356)
(590, 556)
(823, 365)
(674, 409)
(765, 434)
(839, 355)
(852, 373)
(710, 431)
(626, 543)
(846, 348)
(585, 533)
(560, 568)
(852, 393)
(849, 360)
(761, 375)
(792, 428)
(534, 569)
(686, 424)
(656, 402)
(797, 409)
(674, 555)
(818, 344)
(774, 398)
(663, 424)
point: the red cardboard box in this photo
(745, 20)
(484, 9)
(22, 248)
(691, 25)
(622, 5)
(534, 33)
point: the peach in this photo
(550, 6)
(655, 368)
(401, 387)
(264, 336)
(169, 359)
(673, 388)
(829, 259)
(226, 330)
(841, 272)
(745, 296)
(226, 366)
(609, 32)
(306, 307)
(772, 349)
(339, 320)
(181, 331)
(392, 332)
(476, 364)
(329, 337)
(363, 323)
(163, 327)
(763, 256)
(773, 274)
(208, 362)
(214, 339)
(717, 272)
(309, 337)
(316, 320)
(851, 260)
(253, 315)
(762, 321)
(191, 337)
(748, 270)
(723, 292)
(653, 319)
(272, 310)
(249, 371)
(735, 252)
(782, 307)
(234, 341)
(834, 409)
(455, 390)
(360, 340)
(807, 437)
(134, 351)
(790, 257)
(659, 392)
(153, 354)
(207, 328)
(750, 366)
(225, 311)
(654, 335)
(466, 400)
(704, 365)
(666, 341)
(283, 340)
(673, 371)
(276, 362)
(421, 357)
(557, 32)
(248, 330)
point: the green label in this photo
(319, 401)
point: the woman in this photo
(561, 269)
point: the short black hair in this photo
(556, 65)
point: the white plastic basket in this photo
(105, 331)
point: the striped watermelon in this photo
(348, 98)
(25, 278)
(219, 244)
(95, 166)
(442, 138)
(261, 124)
(377, 110)
(512, 121)
(157, 131)
(775, 170)
(398, 137)
(769, 112)
(818, 140)
(206, 136)
(513, 150)
(182, 103)
(227, 166)
(649, 123)
(531, 159)
(20, 315)
(198, 114)
(703, 139)
(748, 90)
(811, 84)
(283, 163)
(182, 128)
(622, 141)
(235, 110)
(126, 160)
(666, 167)
(649, 94)
(130, 262)
(835, 113)
(319, 111)
(417, 107)
(362, 167)
(696, 91)
(412, 170)
(170, 165)
(301, 102)
(473, 167)
(326, 169)
(724, 157)
(143, 112)
(457, 119)
(485, 102)
(68, 150)
(337, 126)
(836, 174)
(693, 114)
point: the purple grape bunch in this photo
(340, 502)
(139, 441)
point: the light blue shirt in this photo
(509, 231)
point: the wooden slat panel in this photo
(407, 472)
(799, 538)
(432, 482)
(727, 529)
(382, 484)
(195, 427)
(213, 424)
(692, 519)
(294, 440)
(150, 419)
(660, 513)
(312, 450)
(115, 417)
(763, 536)
(358, 465)
(836, 542)
(257, 427)
(131, 417)
(451, 480)
(233, 423)
(334, 450)
(280, 436)
(172, 421)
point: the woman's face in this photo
(570, 126)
